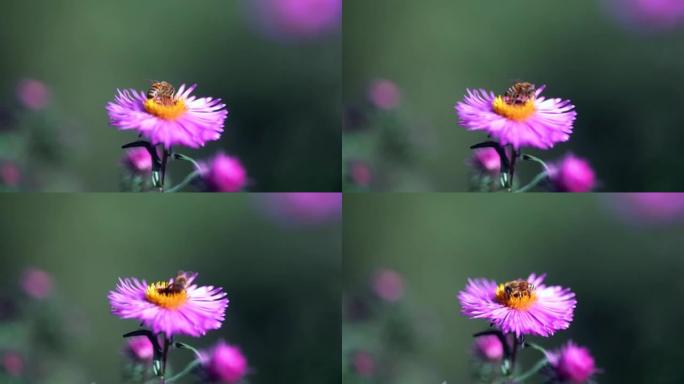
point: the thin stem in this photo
(187, 346)
(514, 353)
(511, 169)
(188, 179)
(185, 371)
(538, 179)
(165, 355)
(540, 364)
(164, 161)
(180, 156)
(536, 160)
(537, 347)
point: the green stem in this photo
(187, 346)
(185, 371)
(537, 347)
(165, 355)
(533, 371)
(180, 156)
(536, 160)
(538, 179)
(188, 179)
(164, 162)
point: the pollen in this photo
(159, 294)
(166, 112)
(518, 294)
(517, 112)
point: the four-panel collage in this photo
(341, 191)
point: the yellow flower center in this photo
(517, 112)
(163, 111)
(165, 296)
(517, 294)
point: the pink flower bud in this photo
(384, 94)
(36, 283)
(572, 363)
(225, 174)
(225, 363)
(388, 285)
(488, 348)
(33, 94)
(572, 174)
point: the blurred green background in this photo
(283, 97)
(626, 83)
(626, 275)
(284, 309)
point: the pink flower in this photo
(174, 307)
(138, 160)
(361, 174)
(388, 285)
(33, 94)
(486, 160)
(521, 117)
(180, 119)
(140, 348)
(10, 174)
(225, 363)
(384, 94)
(36, 283)
(364, 364)
(297, 18)
(572, 174)
(13, 363)
(572, 363)
(659, 14)
(224, 174)
(651, 207)
(489, 348)
(305, 207)
(521, 307)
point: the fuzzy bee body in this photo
(518, 289)
(177, 284)
(519, 93)
(162, 93)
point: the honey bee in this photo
(177, 284)
(518, 289)
(162, 92)
(519, 93)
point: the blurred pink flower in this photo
(13, 363)
(384, 94)
(364, 364)
(224, 173)
(651, 207)
(304, 207)
(33, 94)
(486, 160)
(572, 174)
(140, 348)
(388, 285)
(659, 14)
(225, 363)
(488, 348)
(296, 18)
(10, 174)
(572, 364)
(361, 174)
(138, 160)
(36, 283)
